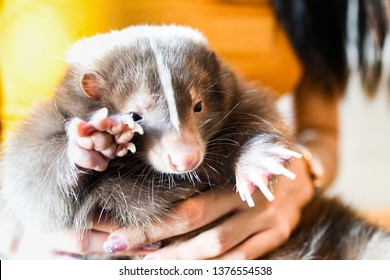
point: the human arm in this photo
(247, 234)
(317, 125)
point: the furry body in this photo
(329, 230)
(189, 104)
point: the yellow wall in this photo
(34, 35)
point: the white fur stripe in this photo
(85, 52)
(166, 82)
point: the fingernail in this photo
(115, 244)
(152, 257)
(152, 246)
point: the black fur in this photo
(318, 31)
(331, 230)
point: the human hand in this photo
(248, 234)
(30, 242)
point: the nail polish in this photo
(152, 246)
(115, 244)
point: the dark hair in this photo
(318, 29)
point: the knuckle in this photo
(146, 238)
(191, 212)
(218, 243)
(139, 237)
(81, 245)
(270, 212)
(283, 231)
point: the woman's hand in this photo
(249, 233)
(32, 243)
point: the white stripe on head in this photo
(166, 82)
(85, 52)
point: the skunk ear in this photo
(213, 62)
(92, 85)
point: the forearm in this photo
(317, 126)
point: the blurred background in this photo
(364, 175)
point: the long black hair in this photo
(318, 31)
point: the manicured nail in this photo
(152, 246)
(115, 244)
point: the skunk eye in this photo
(136, 117)
(198, 107)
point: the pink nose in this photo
(183, 161)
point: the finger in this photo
(219, 239)
(188, 216)
(208, 244)
(94, 243)
(255, 247)
(71, 243)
